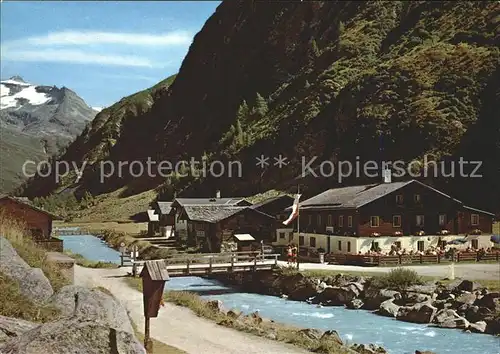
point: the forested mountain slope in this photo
(339, 80)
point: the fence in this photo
(411, 259)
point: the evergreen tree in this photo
(260, 107)
(243, 110)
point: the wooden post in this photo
(148, 343)
(210, 264)
(187, 267)
(275, 260)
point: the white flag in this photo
(295, 210)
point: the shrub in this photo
(399, 279)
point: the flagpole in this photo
(298, 226)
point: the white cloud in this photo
(92, 37)
(76, 57)
(99, 48)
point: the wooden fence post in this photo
(421, 261)
(210, 264)
(187, 266)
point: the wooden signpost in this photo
(154, 275)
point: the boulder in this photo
(493, 326)
(312, 334)
(476, 313)
(303, 290)
(388, 308)
(234, 314)
(490, 301)
(465, 298)
(14, 327)
(79, 301)
(373, 297)
(336, 296)
(73, 335)
(418, 313)
(426, 289)
(255, 317)
(368, 349)
(331, 336)
(355, 304)
(33, 284)
(450, 319)
(466, 285)
(478, 327)
(413, 298)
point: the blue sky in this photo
(102, 50)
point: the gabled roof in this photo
(152, 216)
(479, 210)
(157, 270)
(215, 213)
(208, 201)
(27, 202)
(356, 196)
(271, 200)
(165, 207)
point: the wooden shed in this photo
(244, 242)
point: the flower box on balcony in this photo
(476, 232)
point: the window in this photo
(399, 199)
(474, 219)
(318, 220)
(282, 235)
(341, 221)
(348, 246)
(310, 219)
(301, 240)
(396, 221)
(290, 236)
(397, 244)
(374, 221)
(420, 246)
(419, 220)
(349, 221)
(442, 220)
(339, 245)
(416, 198)
(329, 220)
(474, 244)
(312, 241)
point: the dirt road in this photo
(474, 271)
(178, 326)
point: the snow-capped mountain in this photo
(47, 117)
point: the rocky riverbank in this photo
(82, 320)
(463, 305)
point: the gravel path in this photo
(178, 326)
(485, 271)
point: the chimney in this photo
(217, 194)
(387, 176)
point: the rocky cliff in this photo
(338, 80)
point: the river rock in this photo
(412, 298)
(478, 327)
(79, 301)
(73, 335)
(312, 334)
(355, 304)
(424, 352)
(388, 308)
(331, 336)
(215, 305)
(490, 301)
(368, 349)
(426, 289)
(234, 314)
(476, 313)
(450, 319)
(493, 326)
(418, 313)
(465, 298)
(373, 297)
(303, 290)
(14, 327)
(466, 285)
(336, 296)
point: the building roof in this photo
(215, 213)
(157, 270)
(356, 196)
(244, 237)
(479, 210)
(27, 202)
(208, 201)
(271, 200)
(152, 216)
(165, 207)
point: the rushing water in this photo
(354, 326)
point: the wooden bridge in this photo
(70, 231)
(214, 263)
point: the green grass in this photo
(84, 262)
(14, 304)
(284, 333)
